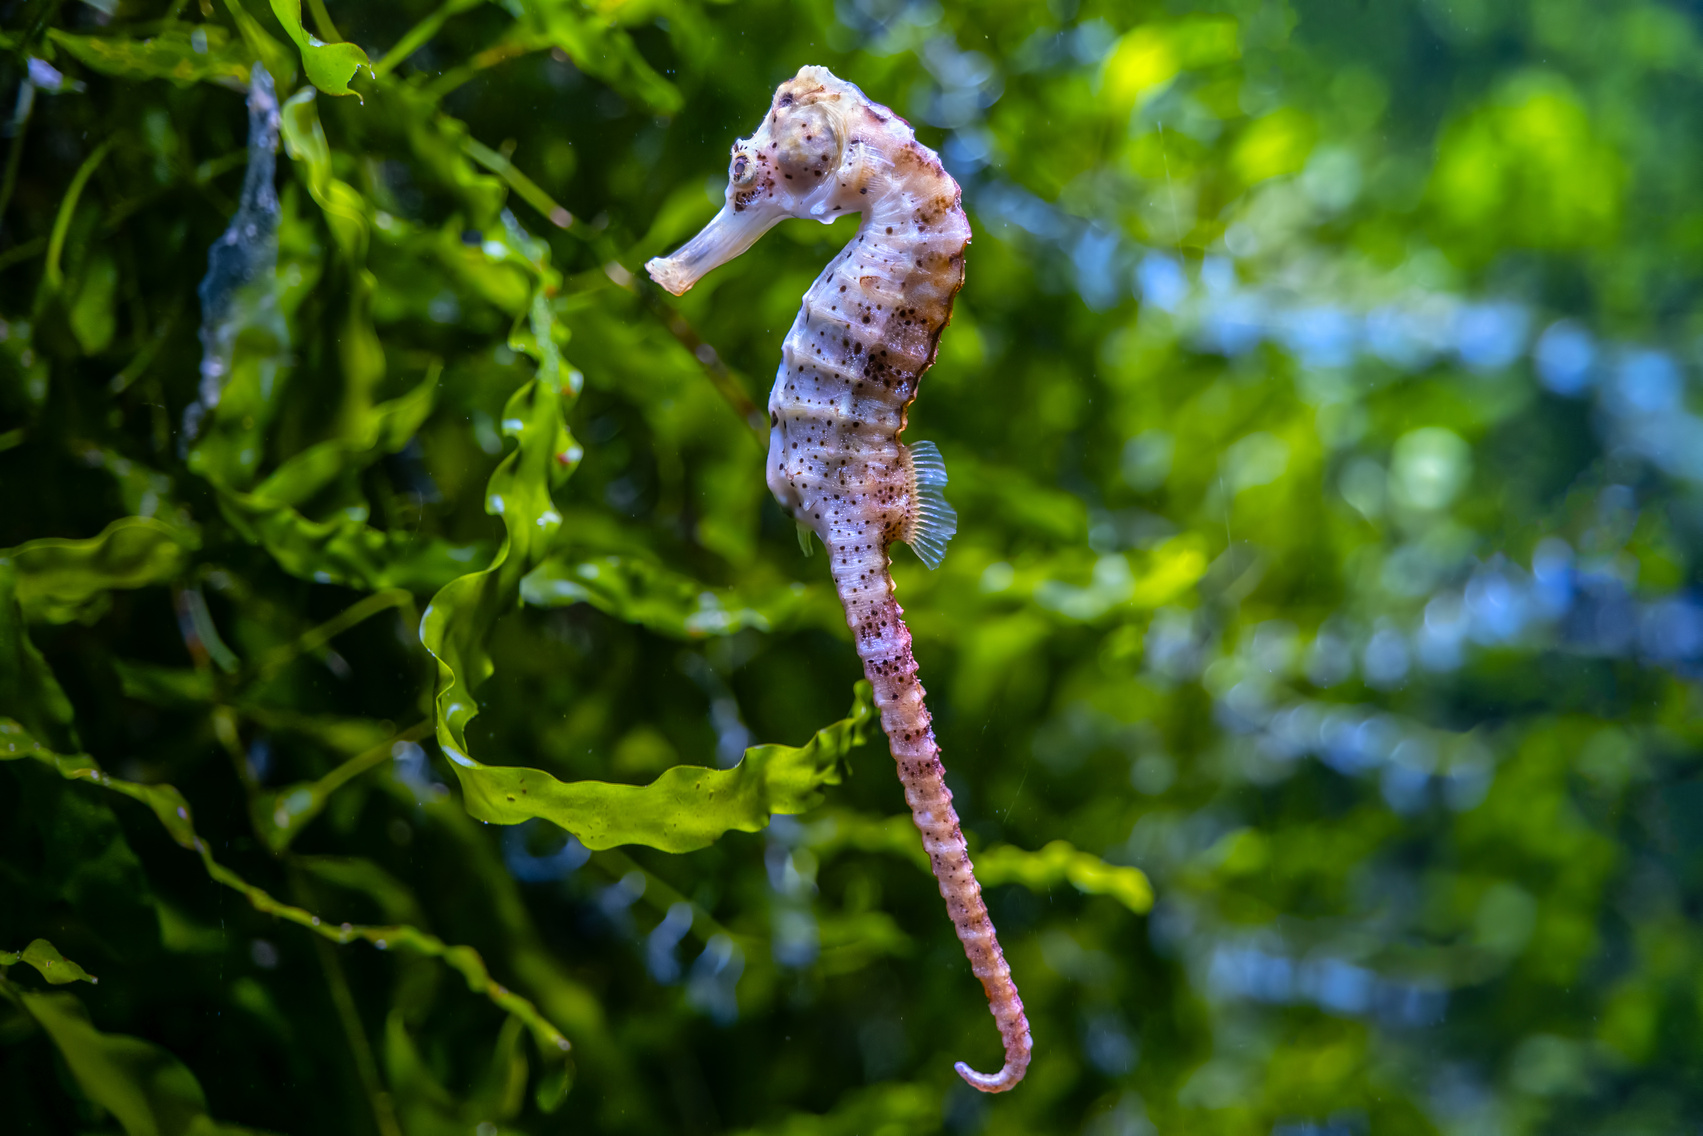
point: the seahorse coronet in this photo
(867, 330)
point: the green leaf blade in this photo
(329, 66)
(53, 966)
(185, 56)
(63, 580)
(688, 807)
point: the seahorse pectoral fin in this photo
(931, 522)
(728, 234)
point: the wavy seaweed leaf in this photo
(440, 143)
(912, 1109)
(279, 814)
(428, 1109)
(596, 45)
(677, 812)
(63, 580)
(349, 217)
(459, 619)
(640, 590)
(145, 492)
(689, 806)
(149, 1091)
(245, 369)
(185, 55)
(45, 957)
(1062, 862)
(329, 66)
(172, 811)
(275, 57)
(460, 616)
(164, 686)
(1057, 863)
(32, 692)
(562, 997)
(344, 549)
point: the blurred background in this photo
(1321, 413)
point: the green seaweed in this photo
(459, 619)
(40, 701)
(172, 812)
(346, 215)
(1059, 862)
(53, 966)
(58, 581)
(638, 589)
(329, 66)
(185, 55)
(278, 60)
(686, 808)
(147, 1090)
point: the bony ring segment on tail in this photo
(869, 328)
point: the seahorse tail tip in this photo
(1002, 1081)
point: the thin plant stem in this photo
(720, 375)
(440, 87)
(54, 276)
(419, 35)
(337, 984)
(322, 20)
(315, 638)
(375, 756)
(14, 159)
(524, 187)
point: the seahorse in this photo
(869, 327)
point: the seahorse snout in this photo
(732, 231)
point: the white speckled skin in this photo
(868, 329)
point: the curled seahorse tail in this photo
(865, 585)
(1016, 1064)
(949, 856)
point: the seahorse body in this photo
(869, 327)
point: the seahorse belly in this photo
(868, 328)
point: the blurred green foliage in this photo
(1315, 665)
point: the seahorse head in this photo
(798, 163)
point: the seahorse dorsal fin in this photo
(931, 522)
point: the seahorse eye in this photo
(743, 171)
